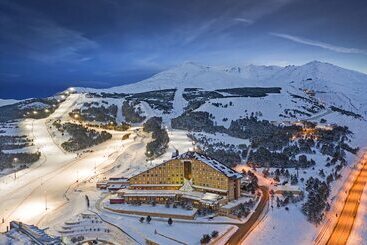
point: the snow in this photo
(270, 107)
(221, 138)
(230, 173)
(24, 198)
(282, 227)
(334, 85)
(4, 102)
(186, 232)
(55, 175)
(91, 227)
(328, 81)
(158, 209)
(235, 203)
(37, 105)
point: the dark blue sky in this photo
(48, 45)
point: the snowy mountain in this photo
(4, 102)
(193, 75)
(236, 114)
(330, 84)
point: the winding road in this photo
(243, 229)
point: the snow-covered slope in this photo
(4, 102)
(192, 75)
(330, 85)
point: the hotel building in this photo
(191, 175)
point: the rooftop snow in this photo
(227, 171)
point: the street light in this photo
(45, 200)
(15, 160)
(150, 157)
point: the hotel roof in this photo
(227, 171)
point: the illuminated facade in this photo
(190, 171)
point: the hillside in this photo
(299, 125)
(331, 84)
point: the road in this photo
(39, 191)
(243, 229)
(347, 217)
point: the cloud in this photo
(247, 21)
(319, 44)
(38, 38)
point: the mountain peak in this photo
(315, 62)
(192, 64)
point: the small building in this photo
(118, 180)
(115, 187)
(227, 209)
(282, 189)
(102, 185)
(113, 184)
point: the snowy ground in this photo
(222, 138)
(188, 233)
(55, 184)
(4, 102)
(91, 227)
(246, 105)
(158, 209)
(46, 183)
(52, 179)
(282, 227)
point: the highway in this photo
(347, 217)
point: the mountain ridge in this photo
(330, 83)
